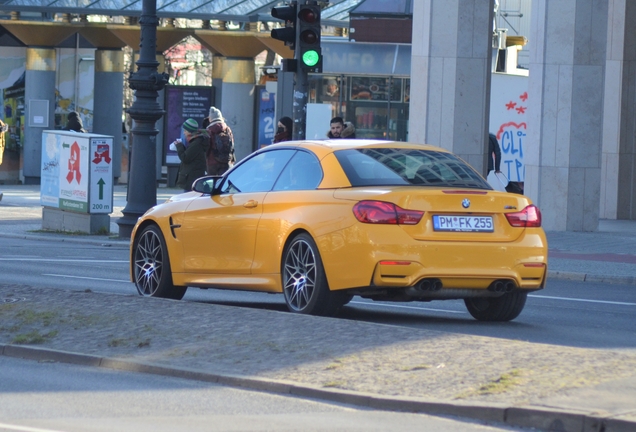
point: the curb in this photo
(587, 277)
(542, 418)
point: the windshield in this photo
(396, 166)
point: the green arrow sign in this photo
(101, 184)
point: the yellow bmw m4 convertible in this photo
(323, 221)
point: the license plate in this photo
(463, 223)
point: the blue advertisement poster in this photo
(266, 121)
(50, 174)
(182, 103)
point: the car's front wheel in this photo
(504, 308)
(151, 266)
(304, 281)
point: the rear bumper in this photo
(477, 278)
(389, 258)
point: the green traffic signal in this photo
(311, 58)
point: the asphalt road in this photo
(567, 313)
(49, 397)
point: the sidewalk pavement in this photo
(378, 366)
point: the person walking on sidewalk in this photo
(191, 153)
(220, 157)
(3, 129)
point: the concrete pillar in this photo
(236, 101)
(108, 96)
(39, 86)
(217, 78)
(618, 164)
(450, 70)
(563, 151)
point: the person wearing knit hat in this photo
(220, 155)
(192, 156)
(190, 125)
(215, 115)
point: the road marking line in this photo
(64, 260)
(406, 307)
(24, 428)
(583, 300)
(84, 277)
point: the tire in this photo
(504, 308)
(151, 266)
(304, 282)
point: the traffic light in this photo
(286, 34)
(308, 51)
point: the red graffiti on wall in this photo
(513, 105)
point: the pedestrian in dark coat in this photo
(284, 131)
(74, 122)
(493, 151)
(191, 154)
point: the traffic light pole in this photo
(302, 34)
(301, 92)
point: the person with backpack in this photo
(192, 154)
(220, 156)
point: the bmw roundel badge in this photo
(465, 203)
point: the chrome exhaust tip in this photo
(423, 285)
(497, 286)
(436, 285)
(502, 286)
(429, 284)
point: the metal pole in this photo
(145, 111)
(301, 91)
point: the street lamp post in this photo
(145, 111)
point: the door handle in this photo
(250, 204)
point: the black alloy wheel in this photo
(151, 266)
(304, 281)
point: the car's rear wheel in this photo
(151, 268)
(504, 308)
(304, 281)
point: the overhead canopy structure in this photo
(336, 13)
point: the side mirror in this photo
(205, 185)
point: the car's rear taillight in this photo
(381, 212)
(528, 217)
